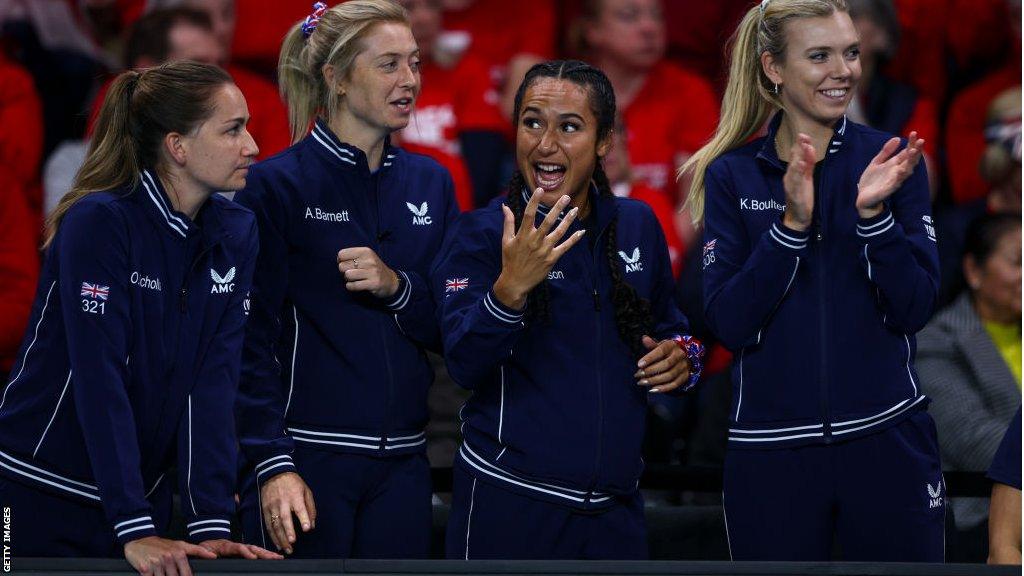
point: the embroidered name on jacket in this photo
(144, 281)
(633, 263)
(222, 284)
(318, 214)
(419, 215)
(759, 205)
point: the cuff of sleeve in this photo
(788, 238)
(501, 312)
(876, 228)
(271, 467)
(205, 528)
(401, 298)
(134, 528)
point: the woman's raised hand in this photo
(799, 184)
(887, 172)
(528, 254)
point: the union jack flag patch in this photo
(710, 245)
(456, 284)
(95, 291)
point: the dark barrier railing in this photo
(696, 479)
(63, 567)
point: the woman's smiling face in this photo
(557, 140)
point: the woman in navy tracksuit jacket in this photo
(131, 360)
(819, 266)
(333, 401)
(546, 326)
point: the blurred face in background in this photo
(996, 282)
(630, 33)
(190, 42)
(222, 17)
(425, 19)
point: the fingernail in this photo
(574, 210)
(645, 382)
(654, 390)
(639, 373)
(305, 526)
(641, 364)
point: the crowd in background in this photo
(947, 69)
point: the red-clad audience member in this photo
(669, 112)
(170, 34)
(452, 107)
(965, 125)
(921, 57)
(21, 134)
(265, 25)
(19, 263)
(509, 35)
(883, 102)
(617, 168)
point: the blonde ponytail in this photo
(750, 97)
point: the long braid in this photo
(539, 298)
(632, 313)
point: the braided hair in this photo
(632, 313)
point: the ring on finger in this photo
(355, 263)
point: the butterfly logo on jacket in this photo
(419, 215)
(222, 284)
(633, 263)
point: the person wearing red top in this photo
(172, 34)
(670, 112)
(21, 133)
(509, 36)
(965, 130)
(453, 121)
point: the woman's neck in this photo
(351, 131)
(792, 126)
(186, 195)
(626, 81)
(989, 313)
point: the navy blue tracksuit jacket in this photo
(556, 413)
(332, 369)
(821, 322)
(131, 359)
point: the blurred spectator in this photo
(921, 57)
(697, 30)
(969, 363)
(620, 174)
(999, 168)
(21, 134)
(883, 102)
(669, 112)
(510, 36)
(452, 121)
(965, 126)
(265, 24)
(188, 33)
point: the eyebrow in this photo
(562, 116)
(238, 119)
(827, 48)
(398, 54)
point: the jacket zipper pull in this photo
(184, 300)
(597, 301)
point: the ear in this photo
(972, 272)
(332, 79)
(772, 67)
(176, 147)
(604, 145)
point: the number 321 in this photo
(94, 307)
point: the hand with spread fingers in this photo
(365, 271)
(528, 254)
(887, 171)
(224, 548)
(665, 367)
(157, 556)
(282, 496)
(798, 183)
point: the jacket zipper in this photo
(597, 350)
(389, 390)
(819, 239)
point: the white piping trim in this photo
(295, 351)
(909, 373)
(508, 477)
(881, 222)
(403, 298)
(170, 212)
(497, 313)
(725, 516)
(397, 446)
(331, 150)
(160, 206)
(779, 231)
(739, 401)
(118, 526)
(868, 260)
(469, 517)
(773, 430)
(214, 529)
(396, 438)
(54, 416)
(259, 512)
(334, 434)
(334, 443)
(24, 359)
(50, 483)
(48, 473)
(188, 478)
(201, 522)
(155, 484)
(501, 406)
(889, 417)
(846, 423)
(776, 438)
(268, 468)
(777, 238)
(323, 133)
(130, 530)
(269, 460)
